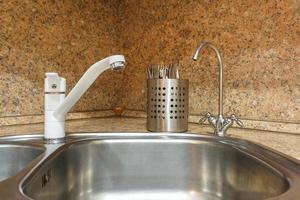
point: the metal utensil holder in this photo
(167, 105)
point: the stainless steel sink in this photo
(158, 166)
(15, 157)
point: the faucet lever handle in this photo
(54, 83)
(205, 117)
(235, 119)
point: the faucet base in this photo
(54, 128)
(54, 140)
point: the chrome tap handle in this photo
(210, 118)
(235, 119)
(206, 116)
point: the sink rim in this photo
(287, 166)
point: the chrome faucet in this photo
(220, 123)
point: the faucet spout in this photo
(195, 57)
(56, 106)
(87, 80)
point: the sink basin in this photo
(163, 167)
(141, 166)
(14, 158)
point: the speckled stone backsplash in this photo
(60, 36)
(259, 41)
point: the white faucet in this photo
(57, 106)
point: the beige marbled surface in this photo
(34, 119)
(285, 143)
(281, 127)
(259, 41)
(55, 36)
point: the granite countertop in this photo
(283, 142)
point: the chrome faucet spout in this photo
(219, 123)
(220, 61)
